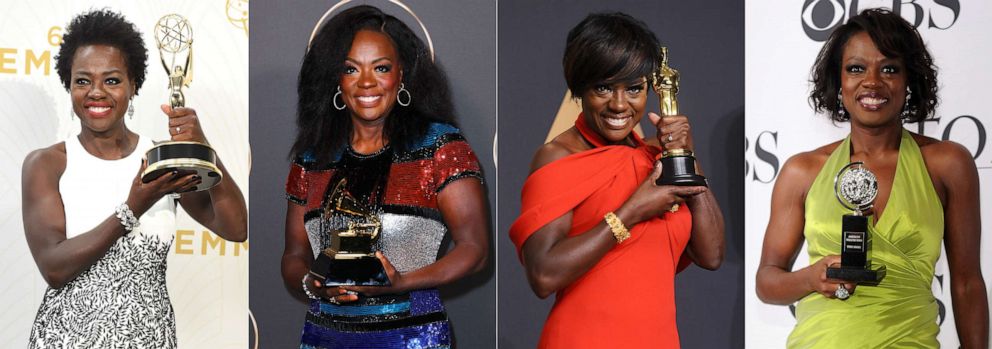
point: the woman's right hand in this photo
(817, 280)
(652, 200)
(144, 195)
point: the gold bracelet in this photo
(620, 232)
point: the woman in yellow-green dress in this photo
(876, 73)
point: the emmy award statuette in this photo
(856, 188)
(679, 164)
(175, 40)
(350, 257)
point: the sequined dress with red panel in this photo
(401, 187)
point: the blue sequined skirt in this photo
(411, 321)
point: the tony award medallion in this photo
(350, 257)
(679, 164)
(856, 188)
(175, 45)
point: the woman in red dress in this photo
(594, 228)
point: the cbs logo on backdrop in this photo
(821, 17)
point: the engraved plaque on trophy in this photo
(856, 188)
(679, 165)
(349, 258)
(174, 37)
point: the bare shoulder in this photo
(944, 155)
(804, 166)
(50, 159)
(950, 165)
(565, 144)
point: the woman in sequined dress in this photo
(876, 73)
(375, 110)
(594, 228)
(99, 236)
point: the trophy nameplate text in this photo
(856, 188)
(679, 165)
(349, 258)
(175, 38)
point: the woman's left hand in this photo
(184, 125)
(395, 281)
(673, 131)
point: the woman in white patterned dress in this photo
(99, 235)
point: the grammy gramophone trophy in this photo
(856, 188)
(679, 165)
(349, 258)
(175, 40)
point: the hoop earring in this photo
(335, 100)
(906, 113)
(130, 108)
(409, 98)
(840, 105)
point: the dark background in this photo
(464, 34)
(706, 45)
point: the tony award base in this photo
(855, 266)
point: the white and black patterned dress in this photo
(120, 301)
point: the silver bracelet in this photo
(128, 220)
(307, 290)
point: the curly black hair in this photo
(103, 27)
(895, 38)
(324, 130)
(607, 48)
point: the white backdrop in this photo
(207, 277)
(780, 49)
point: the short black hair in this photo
(324, 130)
(607, 48)
(895, 38)
(103, 27)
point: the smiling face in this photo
(612, 110)
(371, 78)
(873, 85)
(100, 87)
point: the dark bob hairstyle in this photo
(895, 38)
(607, 48)
(103, 27)
(323, 130)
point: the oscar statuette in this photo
(679, 165)
(174, 37)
